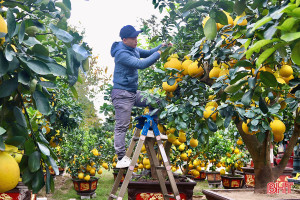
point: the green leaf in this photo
(266, 54)
(154, 39)
(9, 53)
(27, 176)
(263, 106)
(226, 5)
(289, 37)
(257, 46)
(39, 49)
(61, 34)
(48, 181)
(237, 96)
(210, 29)
(74, 92)
(2, 131)
(86, 65)
(34, 161)
(11, 23)
(38, 67)
(53, 164)
(21, 32)
(268, 79)
(295, 54)
(80, 52)
(251, 82)
(257, 3)
(20, 118)
(8, 87)
(246, 99)
(221, 17)
(288, 24)
(235, 87)
(41, 102)
(239, 6)
(261, 136)
(44, 149)
(4, 65)
(29, 146)
(57, 70)
(38, 181)
(211, 125)
(191, 4)
(67, 4)
(261, 22)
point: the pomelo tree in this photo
(38, 54)
(232, 62)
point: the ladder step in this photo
(160, 167)
(113, 196)
(136, 138)
(169, 196)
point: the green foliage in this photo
(33, 64)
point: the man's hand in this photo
(159, 52)
(169, 44)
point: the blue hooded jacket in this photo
(127, 63)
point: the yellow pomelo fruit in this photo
(181, 147)
(278, 127)
(243, 23)
(194, 70)
(224, 72)
(114, 164)
(105, 165)
(176, 142)
(100, 171)
(146, 161)
(81, 175)
(9, 172)
(182, 137)
(239, 142)
(280, 80)
(212, 103)
(161, 128)
(171, 137)
(93, 172)
(246, 128)
(196, 163)
(286, 71)
(208, 112)
(196, 173)
(148, 166)
(185, 66)
(287, 80)
(229, 18)
(278, 137)
(222, 172)
(3, 29)
(214, 73)
(140, 166)
(87, 177)
(236, 151)
(169, 88)
(193, 142)
(184, 156)
(173, 63)
(88, 168)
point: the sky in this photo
(102, 21)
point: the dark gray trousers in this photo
(123, 102)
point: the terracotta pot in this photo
(213, 177)
(85, 188)
(138, 190)
(21, 191)
(232, 182)
(250, 176)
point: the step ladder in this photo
(146, 137)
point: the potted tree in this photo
(217, 147)
(234, 160)
(84, 160)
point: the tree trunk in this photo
(260, 153)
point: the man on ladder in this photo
(125, 93)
